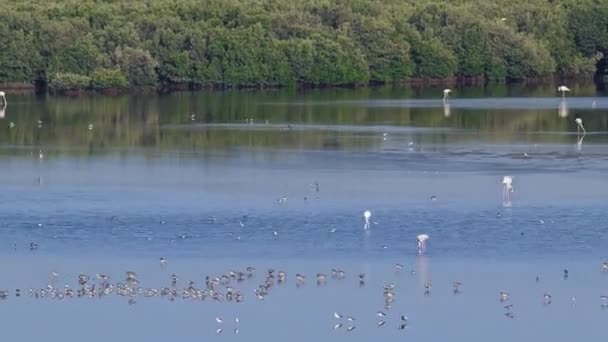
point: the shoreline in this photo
(414, 82)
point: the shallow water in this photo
(220, 181)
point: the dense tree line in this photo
(72, 44)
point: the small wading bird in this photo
(507, 188)
(3, 97)
(446, 94)
(421, 241)
(563, 89)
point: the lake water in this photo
(280, 179)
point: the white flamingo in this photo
(579, 126)
(563, 89)
(507, 188)
(421, 241)
(446, 94)
(366, 216)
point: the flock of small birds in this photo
(222, 288)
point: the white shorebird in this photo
(579, 126)
(366, 216)
(3, 97)
(507, 188)
(446, 94)
(421, 240)
(563, 89)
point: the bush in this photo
(433, 59)
(108, 78)
(138, 65)
(69, 81)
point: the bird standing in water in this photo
(507, 188)
(366, 216)
(421, 241)
(563, 89)
(446, 94)
(579, 126)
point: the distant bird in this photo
(507, 188)
(503, 19)
(421, 241)
(508, 307)
(350, 319)
(563, 89)
(366, 216)
(3, 97)
(350, 328)
(219, 320)
(163, 262)
(509, 315)
(605, 266)
(338, 326)
(90, 127)
(504, 296)
(427, 287)
(547, 298)
(446, 94)
(456, 286)
(579, 126)
(565, 274)
(337, 315)
(380, 314)
(381, 323)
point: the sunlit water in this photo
(280, 179)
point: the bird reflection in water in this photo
(563, 108)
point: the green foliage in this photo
(282, 42)
(138, 65)
(108, 78)
(433, 59)
(69, 81)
